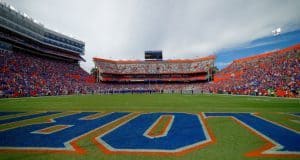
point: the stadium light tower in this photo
(276, 32)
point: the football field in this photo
(144, 126)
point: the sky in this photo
(124, 29)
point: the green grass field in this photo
(233, 141)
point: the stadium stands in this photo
(273, 73)
(30, 75)
(155, 67)
(155, 71)
(36, 61)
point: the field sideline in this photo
(233, 141)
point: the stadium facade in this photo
(158, 71)
(20, 32)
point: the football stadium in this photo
(233, 103)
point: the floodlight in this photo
(276, 32)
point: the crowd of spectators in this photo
(155, 67)
(271, 74)
(24, 74)
(276, 73)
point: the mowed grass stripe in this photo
(153, 102)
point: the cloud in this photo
(124, 29)
(222, 64)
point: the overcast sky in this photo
(124, 29)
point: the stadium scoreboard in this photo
(153, 55)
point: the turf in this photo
(233, 141)
(154, 102)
